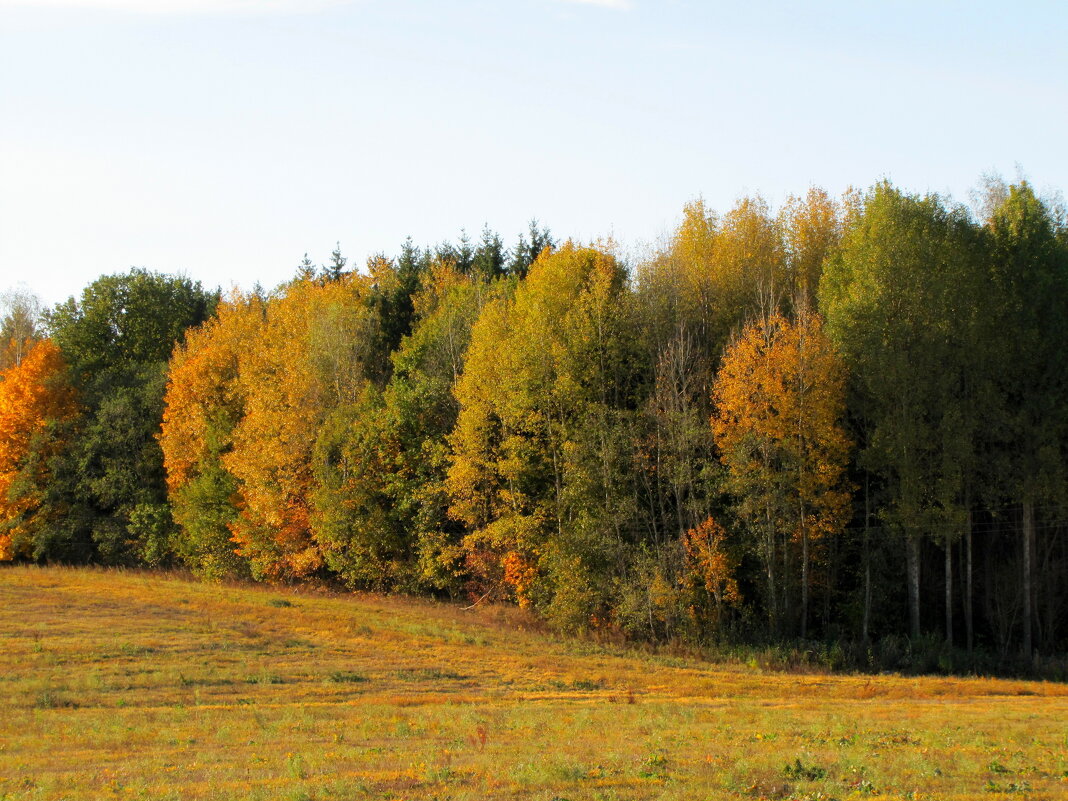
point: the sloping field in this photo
(125, 685)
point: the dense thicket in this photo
(842, 420)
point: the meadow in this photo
(127, 685)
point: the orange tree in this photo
(711, 565)
(35, 398)
(780, 399)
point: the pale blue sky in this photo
(224, 138)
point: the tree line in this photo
(843, 420)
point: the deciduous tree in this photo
(35, 397)
(202, 407)
(117, 338)
(20, 325)
(900, 298)
(780, 402)
(538, 444)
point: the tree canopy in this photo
(842, 419)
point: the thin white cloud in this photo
(170, 7)
(618, 5)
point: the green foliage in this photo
(117, 339)
(125, 321)
(380, 463)
(391, 302)
(204, 510)
(892, 298)
(336, 268)
(489, 259)
(528, 248)
(804, 771)
(355, 517)
(153, 529)
(1030, 292)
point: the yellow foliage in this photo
(201, 385)
(308, 357)
(719, 269)
(537, 364)
(811, 228)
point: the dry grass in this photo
(127, 685)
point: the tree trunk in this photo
(1046, 596)
(786, 622)
(867, 563)
(1028, 545)
(867, 588)
(832, 582)
(769, 546)
(804, 583)
(969, 620)
(912, 561)
(949, 592)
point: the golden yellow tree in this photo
(203, 405)
(811, 229)
(33, 394)
(717, 270)
(309, 358)
(537, 442)
(780, 400)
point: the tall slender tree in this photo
(202, 407)
(893, 296)
(780, 402)
(20, 325)
(1030, 276)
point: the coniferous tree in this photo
(488, 260)
(527, 250)
(336, 268)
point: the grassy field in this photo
(128, 685)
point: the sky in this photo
(223, 139)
